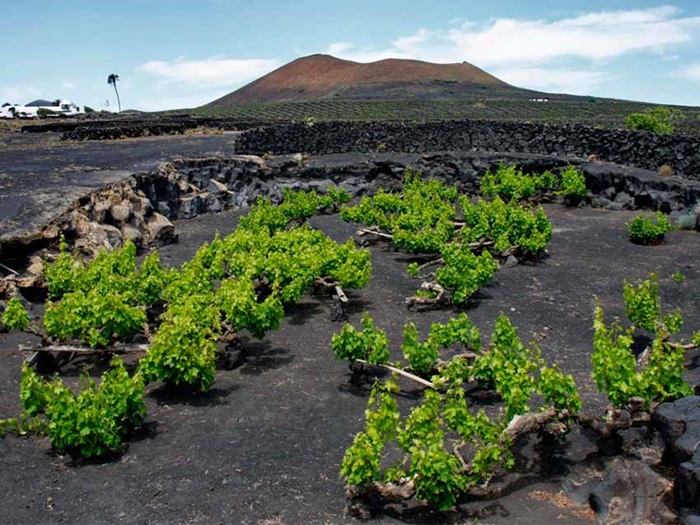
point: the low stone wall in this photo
(186, 188)
(142, 206)
(109, 216)
(136, 127)
(679, 425)
(632, 148)
(125, 130)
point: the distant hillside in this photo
(319, 77)
(323, 87)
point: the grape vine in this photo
(657, 375)
(104, 301)
(15, 316)
(444, 449)
(649, 229)
(425, 219)
(510, 183)
(238, 283)
(432, 440)
(92, 422)
(243, 281)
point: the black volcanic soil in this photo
(263, 446)
(41, 177)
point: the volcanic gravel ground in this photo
(264, 445)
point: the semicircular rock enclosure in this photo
(324, 322)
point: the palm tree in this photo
(112, 79)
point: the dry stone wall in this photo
(186, 188)
(632, 148)
(135, 127)
(141, 207)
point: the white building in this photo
(62, 108)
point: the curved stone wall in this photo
(141, 206)
(107, 129)
(632, 148)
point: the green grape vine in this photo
(15, 316)
(510, 183)
(241, 282)
(649, 229)
(658, 376)
(424, 219)
(92, 422)
(369, 344)
(430, 443)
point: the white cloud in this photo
(155, 102)
(506, 41)
(18, 94)
(340, 48)
(691, 72)
(350, 51)
(210, 72)
(615, 18)
(553, 80)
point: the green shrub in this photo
(649, 229)
(448, 447)
(94, 318)
(103, 300)
(678, 277)
(184, 347)
(510, 183)
(368, 344)
(573, 185)
(660, 120)
(15, 316)
(642, 305)
(615, 369)
(92, 422)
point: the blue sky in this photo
(184, 53)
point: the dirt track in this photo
(264, 445)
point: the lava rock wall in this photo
(681, 153)
(186, 188)
(109, 129)
(141, 206)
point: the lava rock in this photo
(679, 424)
(688, 485)
(160, 230)
(624, 491)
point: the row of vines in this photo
(436, 450)
(443, 448)
(596, 112)
(180, 317)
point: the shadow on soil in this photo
(426, 515)
(148, 430)
(259, 357)
(360, 379)
(299, 314)
(183, 395)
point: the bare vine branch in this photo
(118, 349)
(374, 231)
(427, 301)
(401, 372)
